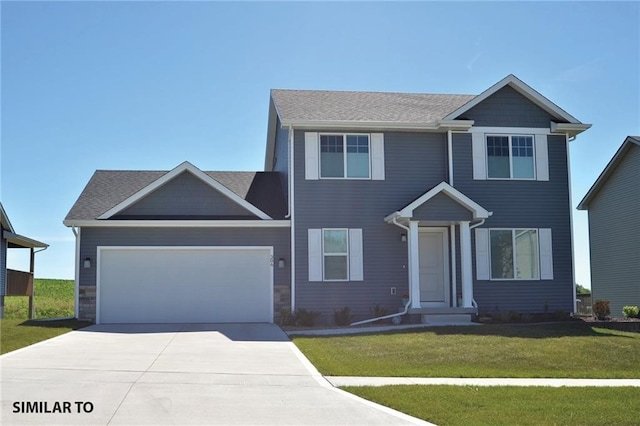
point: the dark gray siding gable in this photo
(414, 163)
(281, 160)
(523, 204)
(442, 208)
(614, 236)
(508, 108)
(185, 195)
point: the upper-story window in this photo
(345, 156)
(510, 157)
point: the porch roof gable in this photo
(476, 209)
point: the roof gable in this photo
(5, 223)
(522, 88)
(477, 210)
(631, 142)
(185, 196)
(167, 177)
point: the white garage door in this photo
(184, 284)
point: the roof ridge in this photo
(372, 91)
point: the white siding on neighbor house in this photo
(614, 236)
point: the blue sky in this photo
(147, 85)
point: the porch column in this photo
(32, 261)
(465, 267)
(414, 264)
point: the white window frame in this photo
(510, 136)
(344, 156)
(513, 247)
(346, 254)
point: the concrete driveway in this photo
(231, 374)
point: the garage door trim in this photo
(100, 249)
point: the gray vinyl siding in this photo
(186, 195)
(281, 160)
(278, 238)
(442, 208)
(614, 236)
(523, 204)
(414, 163)
(3, 264)
(508, 108)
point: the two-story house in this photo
(460, 202)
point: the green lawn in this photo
(18, 333)
(467, 405)
(53, 299)
(572, 350)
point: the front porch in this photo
(438, 226)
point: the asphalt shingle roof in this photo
(108, 188)
(324, 105)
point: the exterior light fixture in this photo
(87, 262)
(403, 238)
(281, 263)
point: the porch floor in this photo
(443, 311)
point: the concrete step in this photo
(445, 318)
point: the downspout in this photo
(76, 233)
(450, 156)
(291, 216)
(406, 307)
(473, 301)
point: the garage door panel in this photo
(185, 285)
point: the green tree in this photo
(582, 290)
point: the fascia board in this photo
(178, 223)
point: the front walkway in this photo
(385, 381)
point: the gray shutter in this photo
(315, 255)
(546, 254)
(542, 157)
(483, 269)
(377, 156)
(356, 270)
(311, 150)
(479, 152)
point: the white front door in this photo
(434, 267)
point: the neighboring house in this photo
(613, 203)
(12, 282)
(461, 201)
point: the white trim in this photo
(438, 125)
(517, 131)
(479, 155)
(292, 232)
(356, 255)
(347, 254)
(466, 269)
(510, 140)
(571, 129)
(414, 264)
(179, 223)
(314, 255)
(450, 156)
(184, 167)
(545, 252)
(311, 155)
(522, 88)
(100, 249)
(376, 144)
(445, 267)
(483, 269)
(478, 211)
(541, 156)
(76, 291)
(454, 277)
(344, 156)
(513, 248)
(573, 247)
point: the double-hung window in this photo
(335, 254)
(514, 254)
(510, 157)
(345, 156)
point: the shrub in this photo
(342, 316)
(601, 309)
(630, 311)
(301, 317)
(305, 318)
(378, 311)
(561, 315)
